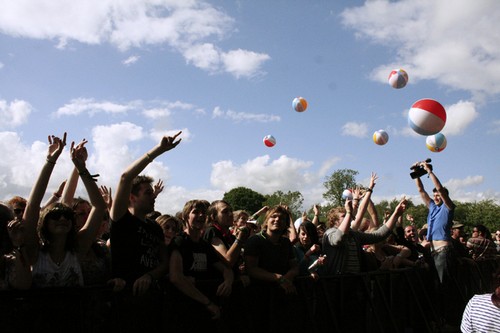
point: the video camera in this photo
(419, 171)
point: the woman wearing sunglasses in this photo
(54, 246)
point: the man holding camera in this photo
(439, 221)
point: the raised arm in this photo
(420, 187)
(365, 201)
(32, 211)
(315, 219)
(396, 214)
(121, 201)
(372, 211)
(56, 196)
(345, 225)
(437, 184)
(88, 233)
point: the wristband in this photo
(87, 173)
(150, 159)
(369, 190)
(50, 162)
(57, 195)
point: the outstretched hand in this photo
(56, 146)
(79, 154)
(169, 142)
(106, 195)
(158, 187)
(373, 180)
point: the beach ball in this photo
(380, 137)
(427, 117)
(436, 142)
(269, 140)
(299, 104)
(347, 194)
(398, 78)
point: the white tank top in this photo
(47, 273)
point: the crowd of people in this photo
(123, 242)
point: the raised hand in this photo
(158, 187)
(56, 146)
(170, 142)
(373, 180)
(79, 154)
(106, 195)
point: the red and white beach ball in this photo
(398, 78)
(427, 117)
(269, 141)
(347, 194)
(299, 104)
(436, 142)
(380, 137)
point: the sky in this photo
(122, 74)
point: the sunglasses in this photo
(18, 210)
(57, 214)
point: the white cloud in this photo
(189, 27)
(14, 114)
(454, 47)
(261, 174)
(244, 63)
(113, 148)
(204, 56)
(156, 113)
(243, 116)
(130, 60)
(359, 130)
(88, 105)
(458, 117)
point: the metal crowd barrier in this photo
(402, 300)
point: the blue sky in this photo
(123, 74)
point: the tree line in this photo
(485, 212)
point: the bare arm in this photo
(56, 196)
(372, 211)
(315, 219)
(121, 201)
(423, 194)
(397, 213)
(437, 184)
(88, 233)
(32, 211)
(365, 202)
(69, 189)
(345, 225)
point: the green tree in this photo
(291, 199)
(336, 183)
(484, 212)
(244, 198)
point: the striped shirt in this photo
(480, 315)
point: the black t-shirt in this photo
(198, 258)
(135, 247)
(274, 258)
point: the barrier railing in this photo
(402, 300)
